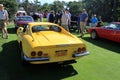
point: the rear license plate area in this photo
(61, 53)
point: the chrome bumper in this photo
(36, 59)
(81, 54)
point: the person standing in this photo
(59, 16)
(65, 20)
(79, 30)
(69, 20)
(52, 17)
(3, 21)
(100, 20)
(94, 21)
(47, 16)
(35, 16)
(41, 16)
(83, 21)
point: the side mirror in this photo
(20, 30)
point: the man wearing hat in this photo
(3, 21)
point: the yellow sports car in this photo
(44, 42)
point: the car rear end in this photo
(56, 53)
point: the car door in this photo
(117, 36)
(108, 31)
(117, 33)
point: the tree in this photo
(46, 7)
(57, 6)
(108, 9)
(75, 7)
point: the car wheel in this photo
(94, 35)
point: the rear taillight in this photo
(83, 49)
(33, 53)
(40, 53)
(79, 50)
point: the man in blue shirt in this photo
(94, 21)
(83, 21)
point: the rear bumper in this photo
(81, 54)
(35, 59)
(48, 59)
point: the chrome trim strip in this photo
(81, 54)
(36, 59)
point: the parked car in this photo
(111, 32)
(44, 42)
(21, 21)
(22, 12)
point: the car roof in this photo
(24, 16)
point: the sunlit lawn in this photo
(103, 63)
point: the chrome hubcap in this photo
(93, 35)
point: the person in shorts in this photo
(83, 21)
(3, 21)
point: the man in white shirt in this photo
(3, 21)
(65, 20)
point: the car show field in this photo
(103, 63)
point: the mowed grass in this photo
(103, 63)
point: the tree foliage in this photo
(108, 9)
(46, 7)
(57, 6)
(75, 7)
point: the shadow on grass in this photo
(107, 44)
(11, 30)
(12, 69)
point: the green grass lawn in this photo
(103, 63)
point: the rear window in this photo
(45, 28)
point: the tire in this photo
(94, 35)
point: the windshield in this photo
(113, 26)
